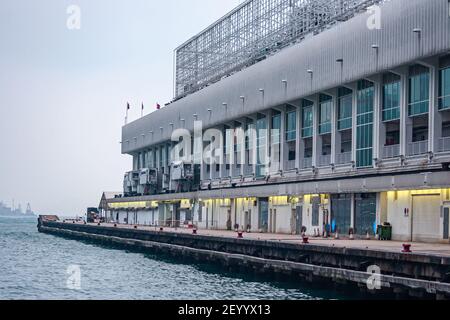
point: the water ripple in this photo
(33, 266)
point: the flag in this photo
(142, 106)
(158, 106)
(128, 106)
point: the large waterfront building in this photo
(351, 105)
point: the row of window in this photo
(418, 104)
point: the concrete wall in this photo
(403, 217)
(280, 208)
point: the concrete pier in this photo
(417, 275)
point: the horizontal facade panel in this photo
(419, 181)
(351, 41)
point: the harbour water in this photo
(36, 266)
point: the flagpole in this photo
(142, 110)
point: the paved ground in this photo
(390, 246)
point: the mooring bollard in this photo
(240, 235)
(194, 231)
(135, 227)
(115, 225)
(406, 248)
(99, 224)
(161, 229)
(305, 240)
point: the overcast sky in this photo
(63, 92)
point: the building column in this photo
(354, 88)
(242, 160)
(282, 165)
(198, 149)
(403, 114)
(435, 116)
(334, 111)
(299, 145)
(377, 120)
(253, 146)
(352, 212)
(316, 139)
(267, 146)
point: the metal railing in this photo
(289, 165)
(325, 161)
(344, 158)
(444, 144)
(226, 172)
(172, 224)
(248, 170)
(418, 148)
(307, 163)
(236, 171)
(392, 151)
(215, 174)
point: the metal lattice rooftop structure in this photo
(250, 33)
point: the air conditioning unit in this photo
(130, 183)
(184, 176)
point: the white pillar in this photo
(315, 138)
(435, 116)
(403, 113)
(334, 127)
(377, 119)
(282, 164)
(299, 145)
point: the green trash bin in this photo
(385, 232)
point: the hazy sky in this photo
(63, 92)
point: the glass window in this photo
(307, 119)
(227, 140)
(345, 108)
(364, 129)
(326, 106)
(291, 126)
(341, 205)
(276, 128)
(365, 214)
(249, 136)
(261, 131)
(169, 160)
(444, 89)
(160, 155)
(419, 91)
(391, 101)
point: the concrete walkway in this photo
(388, 246)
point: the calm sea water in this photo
(34, 266)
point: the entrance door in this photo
(263, 214)
(298, 220)
(365, 213)
(426, 215)
(341, 208)
(446, 222)
(315, 211)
